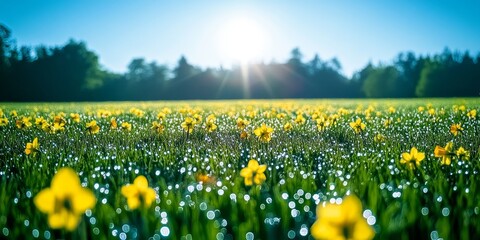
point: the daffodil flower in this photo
(341, 221)
(413, 158)
(358, 126)
(445, 153)
(264, 133)
(254, 173)
(138, 194)
(33, 147)
(65, 201)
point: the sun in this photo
(241, 40)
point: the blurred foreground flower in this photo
(3, 121)
(65, 201)
(341, 221)
(138, 194)
(33, 147)
(254, 173)
(413, 158)
(264, 133)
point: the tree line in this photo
(72, 73)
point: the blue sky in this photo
(355, 32)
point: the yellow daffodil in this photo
(413, 158)
(210, 125)
(33, 147)
(23, 123)
(126, 126)
(65, 201)
(300, 119)
(357, 126)
(158, 127)
(472, 114)
(264, 133)
(341, 221)
(242, 123)
(243, 135)
(13, 113)
(198, 118)
(455, 129)
(287, 127)
(463, 154)
(138, 194)
(322, 124)
(3, 122)
(379, 138)
(253, 173)
(445, 153)
(75, 117)
(113, 123)
(188, 124)
(92, 127)
(161, 116)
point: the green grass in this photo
(305, 167)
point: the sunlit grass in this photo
(195, 168)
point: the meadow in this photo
(282, 169)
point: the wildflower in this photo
(75, 117)
(357, 126)
(281, 115)
(472, 114)
(391, 110)
(205, 178)
(456, 128)
(33, 147)
(242, 123)
(58, 123)
(46, 127)
(65, 201)
(137, 112)
(138, 194)
(3, 122)
(254, 173)
(113, 123)
(161, 116)
(421, 109)
(264, 133)
(463, 154)
(158, 127)
(300, 119)
(387, 122)
(431, 111)
(445, 153)
(243, 135)
(92, 127)
(197, 117)
(341, 221)
(210, 125)
(126, 126)
(39, 121)
(23, 123)
(379, 138)
(287, 127)
(188, 124)
(322, 124)
(13, 113)
(413, 158)
(211, 117)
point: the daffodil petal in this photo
(65, 182)
(83, 200)
(72, 221)
(57, 220)
(141, 182)
(129, 191)
(261, 168)
(45, 201)
(133, 202)
(246, 172)
(248, 181)
(253, 165)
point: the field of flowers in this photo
(285, 169)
